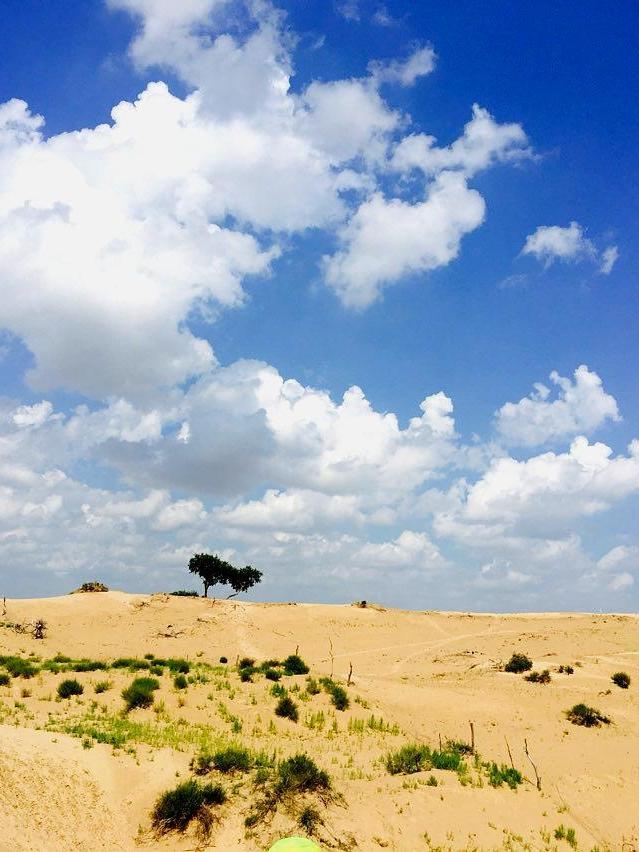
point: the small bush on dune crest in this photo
(185, 593)
(588, 717)
(621, 679)
(518, 663)
(93, 586)
(69, 687)
(140, 692)
(176, 809)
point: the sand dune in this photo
(425, 674)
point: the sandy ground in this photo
(426, 674)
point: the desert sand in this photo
(427, 675)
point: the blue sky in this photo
(308, 203)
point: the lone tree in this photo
(214, 571)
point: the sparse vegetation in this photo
(538, 677)
(588, 717)
(140, 692)
(621, 679)
(102, 686)
(5, 679)
(185, 593)
(567, 834)
(180, 681)
(67, 688)
(287, 708)
(176, 809)
(518, 663)
(566, 670)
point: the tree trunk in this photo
(206, 590)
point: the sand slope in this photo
(428, 674)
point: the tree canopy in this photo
(214, 571)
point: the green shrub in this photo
(131, 663)
(140, 692)
(450, 760)
(538, 677)
(432, 781)
(499, 775)
(234, 758)
(177, 664)
(312, 686)
(300, 774)
(586, 716)
(518, 663)
(60, 658)
(93, 586)
(407, 759)
(157, 671)
(621, 679)
(294, 665)
(87, 666)
(103, 686)
(309, 819)
(180, 682)
(223, 660)
(246, 674)
(69, 687)
(17, 667)
(5, 679)
(272, 674)
(246, 663)
(567, 834)
(339, 698)
(566, 670)
(287, 708)
(278, 690)
(175, 809)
